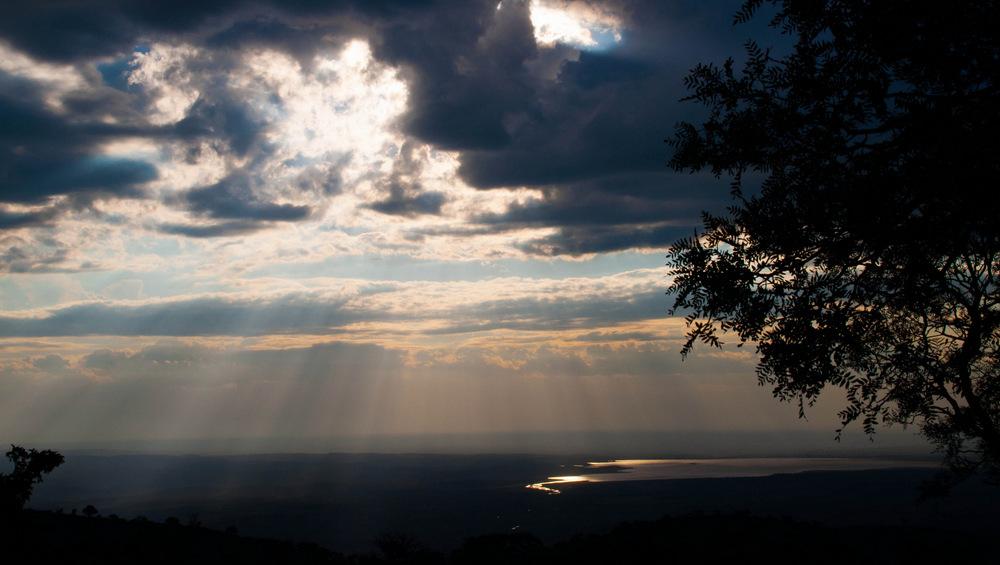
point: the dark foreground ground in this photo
(45, 537)
(343, 502)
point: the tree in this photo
(29, 467)
(861, 247)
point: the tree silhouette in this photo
(861, 249)
(29, 467)
(396, 547)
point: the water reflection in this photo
(545, 486)
(665, 469)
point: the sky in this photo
(225, 219)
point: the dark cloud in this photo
(219, 116)
(612, 336)
(603, 239)
(593, 70)
(43, 154)
(618, 212)
(589, 135)
(406, 196)
(480, 85)
(318, 314)
(31, 179)
(202, 316)
(539, 314)
(584, 133)
(584, 205)
(220, 229)
(65, 31)
(465, 70)
(587, 128)
(234, 198)
(14, 220)
(419, 234)
(300, 39)
(399, 203)
(583, 311)
(74, 30)
(39, 253)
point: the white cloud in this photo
(582, 25)
(163, 71)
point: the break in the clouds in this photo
(434, 202)
(214, 120)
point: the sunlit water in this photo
(665, 469)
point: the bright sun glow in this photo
(574, 24)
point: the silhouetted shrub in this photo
(29, 467)
(497, 549)
(400, 548)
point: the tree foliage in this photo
(861, 248)
(29, 467)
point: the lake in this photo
(667, 469)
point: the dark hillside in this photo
(45, 537)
